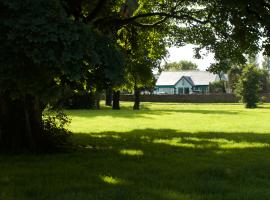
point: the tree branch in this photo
(167, 15)
(95, 11)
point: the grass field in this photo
(162, 152)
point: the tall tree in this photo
(144, 51)
(42, 52)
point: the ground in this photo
(165, 151)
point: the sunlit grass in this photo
(203, 143)
(231, 118)
(111, 180)
(131, 152)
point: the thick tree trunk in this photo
(108, 101)
(137, 100)
(20, 124)
(116, 100)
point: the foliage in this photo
(249, 86)
(265, 81)
(252, 60)
(234, 74)
(217, 25)
(144, 51)
(51, 51)
(220, 67)
(44, 52)
(179, 66)
(217, 87)
(266, 63)
(266, 71)
(90, 29)
(55, 124)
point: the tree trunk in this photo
(20, 124)
(97, 100)
(116, 100)
(137, 100)
(108, 101)
(223, 87)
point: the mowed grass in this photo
(162, 152)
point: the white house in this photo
(185, 82)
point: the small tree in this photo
(249, 86)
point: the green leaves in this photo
(40, 43)
(178, 66)
(249, 86)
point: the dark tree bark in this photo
(116, 100)
(137, 100)
(108, 101)
(97, 100)
(20, 125)
(223, 88)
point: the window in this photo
(186, 90)
(180, 91)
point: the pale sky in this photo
(186, 53)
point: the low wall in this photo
(192, 98)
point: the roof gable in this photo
(187, 78)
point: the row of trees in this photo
(178, 66)
(54, 47)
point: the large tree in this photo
(144, 51)
(46, 45)
(43, 51)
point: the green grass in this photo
(163, 152)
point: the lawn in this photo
(162, 152)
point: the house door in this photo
(180, 91)
(186, 90)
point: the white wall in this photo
(166, 90)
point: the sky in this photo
(186, 53)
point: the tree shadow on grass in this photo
(158, 164)
(167, 164)
(144, 113)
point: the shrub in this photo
(249, 86)
(55, 124)
(217, 87)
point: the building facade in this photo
(185, 82)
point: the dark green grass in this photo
(151, 163)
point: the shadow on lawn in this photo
(145, 164)
(144, 113)
(166, 164)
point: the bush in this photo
(55, 124)
(249, 86)
(217, 87)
